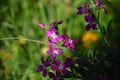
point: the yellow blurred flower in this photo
(88, 38)
(43, 50)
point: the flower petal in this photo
(54, 40)
(65, 36)
(48, 33)
(53, 55)
(41, 25)
(93, 26)
(75, 41)
(59, 38)
(47, 63)
(64, 71)
(54, 67)
(86, 8)
(57, 62)
(72, 46)
(88, 27)
(89, 18)
(42, 60)
(66, 44)
(39, 68)
(51, 75)
(44, 73)
(80, 10)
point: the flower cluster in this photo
(54, 50)
(89, 16)
(55, 68)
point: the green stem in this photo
(17, 38)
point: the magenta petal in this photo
(59, 52)
(98, 3)
(53, 55)
(66, 44)
(65, 37)
(41, 25)
(39, 68)
(49, 52)
(59, 38)
(72, 45)
(44, 73)
(54, 40)
(48, 33)
(54, 67)
(75, 41)
(53, 30)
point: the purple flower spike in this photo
(54, 52)
(69, 42)
(82, 10)
(59, 67)
(42, 68)
(90, 20)
(55, 76)
(41, 25)
(52, 33)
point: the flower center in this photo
(53, 35)
(70, 41)
(60, 67)
(44, 67)
(55, 52)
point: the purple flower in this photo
(69, 42)
(55, 76)
(59, 67)
(54, 52)
(82, 10)
(42, 68)
(53, 36)
(90, 20)
(101, 5)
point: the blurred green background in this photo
(20, 18)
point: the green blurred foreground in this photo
(20, 18)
